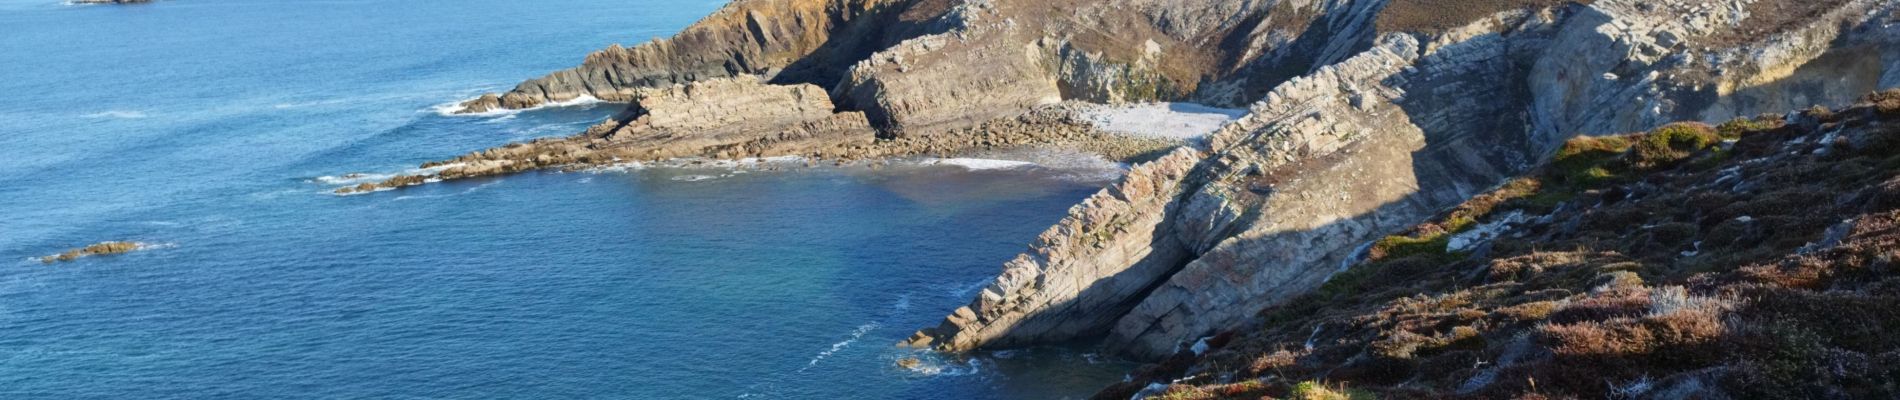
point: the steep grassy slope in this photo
(1748, 260)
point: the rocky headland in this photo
(1364, 119)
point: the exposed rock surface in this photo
(1359, 148)
(1747, 260)
(795, 41)
(96, 249)
(1365, 117)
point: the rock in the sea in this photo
(101, 248)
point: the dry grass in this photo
(1726, 268)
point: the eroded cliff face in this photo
(1365, 117)
(1415, 123)
(792, 41)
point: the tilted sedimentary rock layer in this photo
(798, 41)
(1334, 159)
(1366, 117)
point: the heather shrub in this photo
(1582, 160)
(1311, 390)
(1673, 142)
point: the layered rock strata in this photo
(1335, 158)
(1365, 117)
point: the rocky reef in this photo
(1747, 260)
(96, 249)
(1364, 118)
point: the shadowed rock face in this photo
(1365, 118)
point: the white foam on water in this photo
(454, 109)
(477, 188)
(929, 363)
(696, 178)
(351, 179)
(835, 347)
(118, 114)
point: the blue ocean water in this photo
(212, 131)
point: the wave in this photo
(738, 166)
(477, 188)
(118, 114)
(835, 347)
(357, 178)
(929, 363)
(454, 109)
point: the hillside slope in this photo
(1748, 260)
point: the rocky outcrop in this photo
(791, 41)
(745, 117)
(1365, 117)
(1743, 260)
(1360, 148)
(96, 249)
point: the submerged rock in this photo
(101, 248)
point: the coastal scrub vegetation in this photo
(1752, 259)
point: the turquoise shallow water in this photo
(205, 129)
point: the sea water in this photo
(212, 131)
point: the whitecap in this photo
(835, 347)
(351, 179)
(454, 109)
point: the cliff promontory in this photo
(1364, 119)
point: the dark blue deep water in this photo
(205, 130)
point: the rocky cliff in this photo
(1415, 123)
(1365, 117)
(1747, 260)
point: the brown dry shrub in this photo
(1532, 311)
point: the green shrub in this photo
(1401, 246)
(1735, 128)
(1673, 142)
(1311, 390)
(1583, 160)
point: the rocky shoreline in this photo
(1363, 118)
(745, 118)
